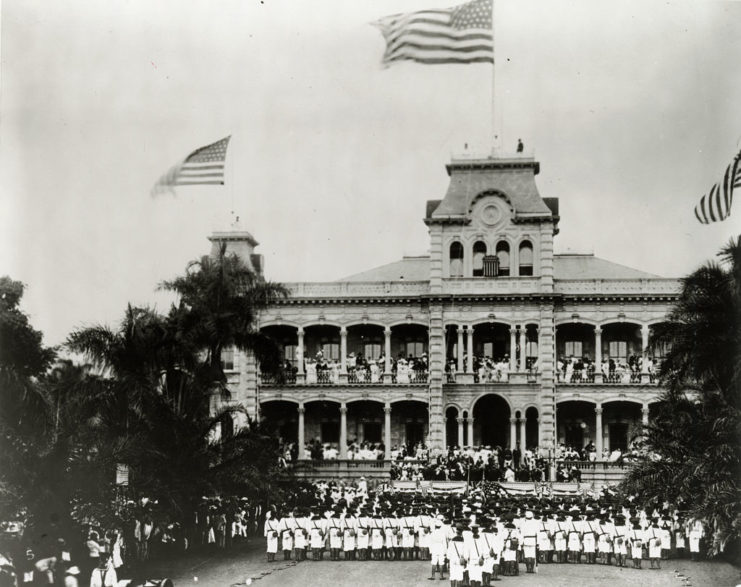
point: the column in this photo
(469, 366)
(343, 431)
(343, 349)
(598, 358)
(460, 431)
(523, 424)
(523, 341)
(387, 431)
(512, 349)
(387, 349)
(445, 434)
(598, 431)
(644, 415)
(644, 348)
(459, 328)
(301, 439)
(300, 350)
(470, 430)
(512, 433)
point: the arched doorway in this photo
(491, 421)
(451, 426)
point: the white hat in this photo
(528, 514)
(73, 571)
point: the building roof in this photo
(567, 266)
(587, 266)
(513, 177)
(407, 269)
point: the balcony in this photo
(493, 378)
(612, 378)
(357, 376)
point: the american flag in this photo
(204, 166)
(716, 204)
(461, 34)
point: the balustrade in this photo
(355, 376)
(578, 377)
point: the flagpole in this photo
(495, 138)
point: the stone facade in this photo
(491, 287)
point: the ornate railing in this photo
(356, 376)
(613, 378)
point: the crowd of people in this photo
(101, 557)
(360, 369)
(477, 537)
(626, 370)
(470, 464)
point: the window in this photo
(227, 359)
(415, 349)
(372, 432)
(289, 353)
(572, 348)
(330, 432)
(618, 350)
(456, 260)
(331, 351)
(372, 350)
(479, 252)
(526, 258)
(503, 256)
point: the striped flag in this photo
(716, 205)
(204, 166)
(461, 34)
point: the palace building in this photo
(491, 339)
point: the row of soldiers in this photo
(477, 543)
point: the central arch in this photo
(491, 415)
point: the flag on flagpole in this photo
(716, 204)
(461, 34)
(204, 166)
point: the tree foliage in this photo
(697, 427)
(146, 400)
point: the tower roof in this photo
(513, 177)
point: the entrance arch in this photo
(491, 426)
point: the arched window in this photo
(479, 252)
(503, 256)
(456, 259)
(526, 258)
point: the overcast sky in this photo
(632, 109)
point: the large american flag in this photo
(461, 34)
(716, 204)
(204, 166)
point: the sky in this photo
(631, 108)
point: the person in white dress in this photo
(529, 529)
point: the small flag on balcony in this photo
(461, 34)
(204, 166)
(716, 204)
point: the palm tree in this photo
(220, 299)
(162, 373)
(695, 432)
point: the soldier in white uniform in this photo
(316, 537)
(349, 524)
(621, 540)
(529, 529)
(363, 535)
(438, 549)
(377, 537)
(457, 558)
(270, 532)
(334, 529)
(476, 557)
(653, 533)
(300, 534)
